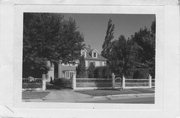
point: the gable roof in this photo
(89, 57)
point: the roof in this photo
(89, 57)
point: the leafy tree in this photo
(146, 39)
(118, 55)
(108, 38)
(49, 37)
(133, 55)
(124, 55)
(81, 69)
(91, 70)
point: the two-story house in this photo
(66, 70)
(93, 56)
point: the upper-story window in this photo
(94, 54)
(83, 53)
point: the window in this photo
(105, 63)
(94, 54)
(83, 53)
(67, 74)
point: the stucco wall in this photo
(62, 68)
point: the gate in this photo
(118, 82)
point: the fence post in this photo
(113, 80)
(43, 82)
(123, 82)
(74, 81)
(150, 81)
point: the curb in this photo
(124, 96)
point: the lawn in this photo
(100, 92)
(33, 94)
(106, 92)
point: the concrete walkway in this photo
(66, 96)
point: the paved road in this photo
(138, 100)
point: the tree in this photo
(81, 69)
(124, 55)
(118, 55)
(133, 55)
(108, 38)
(91, 70)
(146, 39)
(49, 37)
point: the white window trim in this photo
(85, 53)
(94, 51)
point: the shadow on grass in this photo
(104, 92)
(34, 94)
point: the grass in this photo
(103, 92)
(33, 94)
(100, 92)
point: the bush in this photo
(32, 85)
(102, 72)
(62, 82)
(141, 74)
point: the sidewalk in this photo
(68, 95)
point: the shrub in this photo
(102, 72)
(62, 82)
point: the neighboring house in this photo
(93, 56)
(67, 70)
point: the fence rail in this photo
(31, 83)
(137, 83)
(95, 83)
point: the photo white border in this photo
(158, 11)
(166, 10)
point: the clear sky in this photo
(94, 26)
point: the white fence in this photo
(136, 83)
(102, 83)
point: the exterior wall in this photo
(86, 63)
(97, 63)
(50, 74)
(63, 70)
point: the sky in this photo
(94, 26)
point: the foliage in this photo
(91, 69)
(81, 69)
(130, 56)
(108, 38)
(48, 36)
(102, 72)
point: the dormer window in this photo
(83, 53)
(94, 54)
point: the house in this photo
(67, 70)
(93, 56)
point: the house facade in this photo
(67, 70)
(93, 56)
